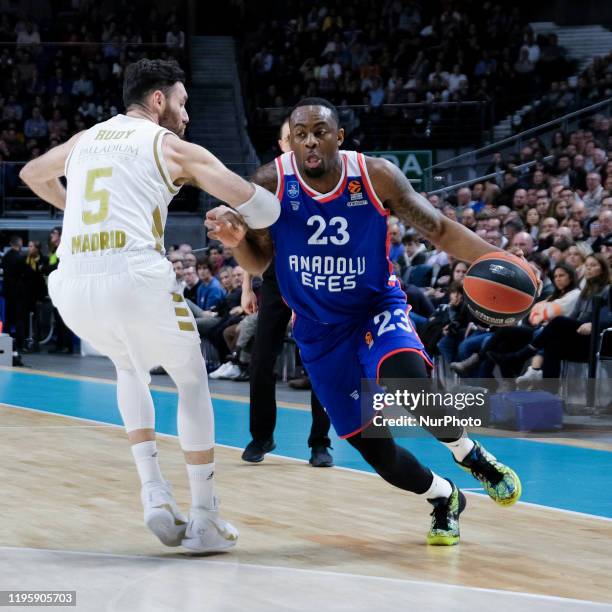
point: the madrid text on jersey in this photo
(327, 272)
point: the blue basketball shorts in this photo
(338, 356)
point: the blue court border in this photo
(554, 475)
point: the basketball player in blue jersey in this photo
(330, 239)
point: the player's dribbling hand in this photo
(226, 226)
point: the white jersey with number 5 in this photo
(118, 190)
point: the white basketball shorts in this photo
(127, 306)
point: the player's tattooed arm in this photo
(398, 195)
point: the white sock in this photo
(202, 484)
(440, 487)
(460, 448)
(145, 455)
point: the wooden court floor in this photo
(69, 485)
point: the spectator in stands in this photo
(594, 193)
(230, 312)
(63, 336)
(576, 258)
(415, 254)
(455, 318)
(192, 284)
(83, 86)
(228, 258)
(179, 269)
(225, 278)
(210, 292)
(547, 233)
(559, 209)
(175, 38)
(215, 259)
(190, 261)
(36, 288)
(468, 218)
(604, 226)
(524, 242)
(511, 228)
(36, 126)
(568, 337)
(532, 223)
(397, 249)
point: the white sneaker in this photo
(530, 376)
(220, 371)
(161, 514)
(208, 532)
(233, 372)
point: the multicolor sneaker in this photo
(444, 529)
(500, 482)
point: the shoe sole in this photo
(322, 464)
(253, 460)
(163, 524)
(191, 544)
(257, 460)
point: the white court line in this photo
(338, 467)
(55, 426)
(279, 568)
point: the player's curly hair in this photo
(145, 75)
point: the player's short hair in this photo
(313, 101)
(15, 240)
(145, 76)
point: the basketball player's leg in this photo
(87, 304)
(206, 531)
(333, 364)
(404, 362)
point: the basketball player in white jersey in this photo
(115, 288)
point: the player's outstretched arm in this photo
(252, 249)
(396, 192)
(42, 174)
(190, 163)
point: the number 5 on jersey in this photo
(102, 196)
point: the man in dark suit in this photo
(14, 291)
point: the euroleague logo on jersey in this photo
(354, 188)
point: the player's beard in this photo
(314, 172)
(172, 123)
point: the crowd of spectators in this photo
(61, 75)
(559, 216)
(565, 96)
(375, 53)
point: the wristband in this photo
(262, 210)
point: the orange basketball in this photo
(500, 288)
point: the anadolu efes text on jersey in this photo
(332, 249)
